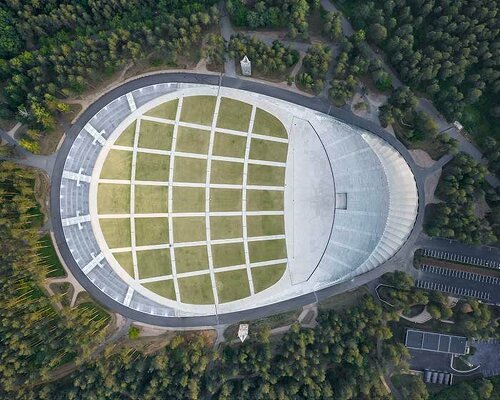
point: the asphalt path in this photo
(228, 318)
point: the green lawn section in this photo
(126, 138)
(268, 124)
(155, 135)
(188, 199)
(225, 199)
(232, 285)
(151, 231)
(113, 199)
(118, 165)
(234, 114)
(226, 172)
(266, 175)
(190, 170)
(264, 277)
(265, 225)
(166, 110)
(189, 229)
(125, 261)
(116, 232)
(151, 263)
(198, 109)
(229, 145)
(48, 255)
(228, 254)
(151, 199)
(226, 227)
(162, 288)
(196, 290)
(188, 259)
(267, 250)
(265, 200)
(191, 140)
(152, 167)
(267, 150)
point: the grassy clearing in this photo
(190, 170)
(189, 229)
(229, 145)
(113, 199)
(232, 285)
(192, 140)
(268, 124)
(226, 227)
(264, 277)
(116, 232)
(265, 225)
(151, 199)
(228, 254)
(196, 290)
(226, 172)
(265, 200)
(188, 199)
(126, 138)
(118, 165)
(225, 199)
(155, 135)
(125, 261)
(266, 175)
(267, 150)
(166, 110)
(163, 288)
(152, 167)
(267, 250)
(151, 263)
(188, 259)
(47, 253)
(198, 109)
(151, 231)
(234, 114)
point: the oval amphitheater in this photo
(181, 203)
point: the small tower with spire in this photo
(246, 66)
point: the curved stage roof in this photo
(351, 202)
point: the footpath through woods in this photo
(424, 104)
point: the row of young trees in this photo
(55, 49)
(34, 337)
(461, 183)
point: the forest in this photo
(461, 186)
(35, 337)
(272, 60)
(54, 49)
(445, 49)
(290, 14)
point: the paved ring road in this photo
(236, 83)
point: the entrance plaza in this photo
(181, 200)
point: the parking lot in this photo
(461, 274)
(460, 258)
(460, 291)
